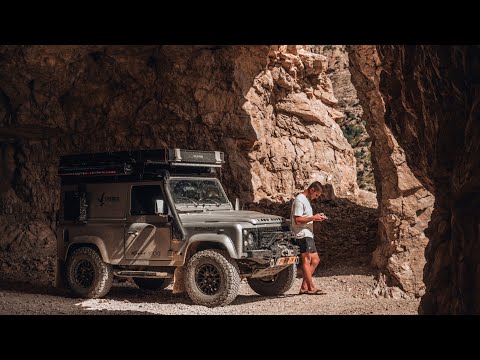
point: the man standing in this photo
(301, 220)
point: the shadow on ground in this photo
(29, 288)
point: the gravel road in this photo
(349, 291)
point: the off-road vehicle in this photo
(142, 214)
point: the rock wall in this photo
(432, 98)
(255, 103)
(267, 107)
(299, 140)
(405, 206)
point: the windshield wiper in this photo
(183, 197)
(214, 201)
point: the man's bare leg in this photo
(314, 261)
(307, 284)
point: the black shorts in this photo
(307, 244)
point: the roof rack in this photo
(139, 163)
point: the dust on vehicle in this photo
(143, 214)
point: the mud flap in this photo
(179, 280)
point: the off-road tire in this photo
(226, 272)
(281, 283)
(151, 283)
(99, 275)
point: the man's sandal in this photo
(315, 292)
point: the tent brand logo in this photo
(103, 199)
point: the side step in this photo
(143, 274)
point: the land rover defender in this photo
(142, 214)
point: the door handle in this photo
(133, 233)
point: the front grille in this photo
(267, 236)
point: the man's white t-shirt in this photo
(301, 207)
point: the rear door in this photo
(148, 236)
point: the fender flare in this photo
(217, 238)
(87, 239)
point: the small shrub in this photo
(360, 154)
(351, 132)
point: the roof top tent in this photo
(137, 165)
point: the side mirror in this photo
(237, 204)
(159, 207)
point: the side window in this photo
(71, 205)
(143, 199)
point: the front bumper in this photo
(270, 256)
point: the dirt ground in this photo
(350, 291)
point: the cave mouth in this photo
(129, 89)
(63, 99)
(99, 98)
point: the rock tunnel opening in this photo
(418, 103)
(286, 115)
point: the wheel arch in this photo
(201, 242)
(93, 242)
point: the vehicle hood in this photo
(253, 217)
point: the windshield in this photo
(197, 192)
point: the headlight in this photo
(248, 239)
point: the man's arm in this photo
(300, 220)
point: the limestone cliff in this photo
(299, 140)
(272, 110)
(267, 107)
